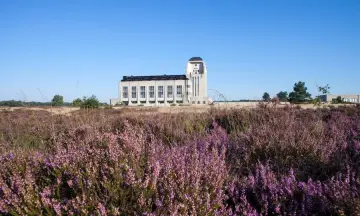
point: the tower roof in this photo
(195, 59)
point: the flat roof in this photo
(156, 77)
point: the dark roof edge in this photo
(155, 77)
(196, 59)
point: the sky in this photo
(83, 48)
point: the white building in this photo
(190, 88)
(349, 98)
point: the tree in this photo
(299, 93)
(77, 102)
(321, 91)
(324, 90)
(283, 96)
(337, 100)
(266, 96)
(91, 102)
(57, 100)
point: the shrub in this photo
(57, 100)
(91, 102)
(111, 173)
(119, 104)
(77, 102)
(263, 161)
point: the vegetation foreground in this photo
(262, 161)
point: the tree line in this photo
(58, 101)
(300, 94)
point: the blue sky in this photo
(79, 48)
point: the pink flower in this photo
(57, 208)
(70, 183)
(277, 209)
(101, 209)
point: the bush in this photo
(57, 100)
(77, 102)
(119, 104)
(107, 106)
(91, 102)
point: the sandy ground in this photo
(144, 110)
(54, 110)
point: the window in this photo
(125, 92)
(160, 91)
(133, 92)
(169, 91)
(142, 91)
(151, 91)
(179, 91)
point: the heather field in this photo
(261, 161)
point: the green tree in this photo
(266, 97)
(299, 93)
(91, 102)
(57, 100)
(77, 102)
(324, 90)
(337, 100)
(283, 96)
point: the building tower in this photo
(196, 73)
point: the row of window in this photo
(195, 86)
(352, 100)
(160, 91)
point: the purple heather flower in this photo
(57, 209)
(101, 209)
(277, 209)
(11, 156)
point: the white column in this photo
(174, 92)
(165, 91)
(137, 93)
(155, 94)
(146, 95)
(130, 93)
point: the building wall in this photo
(346, 98)
(196, 72)
(156, 100)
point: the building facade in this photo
(190, 88)
(328, 98)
